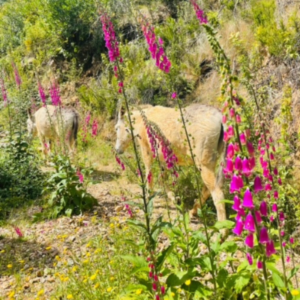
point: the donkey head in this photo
(122, 132)
(31, 127)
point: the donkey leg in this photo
(205, 193)
(210, 180)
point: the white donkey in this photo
(204, 124)
(50, 123)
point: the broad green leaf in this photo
(150, 207)
(138, 224)
(278, 280)
(163, 256)
(227, 224)
(241, 281)
(222, 276)
(229, 246)
(293, 272)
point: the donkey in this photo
(204, 124)
(51, 122)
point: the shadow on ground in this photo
(100, 176)
(18, 254)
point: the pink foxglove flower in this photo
(259, 264)
(42, 94)
(258, 217)
(238, 228)
(292, 240)
(249, 241)
(230, 151)
(94, 128)
(270, 249)
(238, 164)
(288, 259)
(54, 94)
(263, 236)
(80, 176)
(3, 90)
(174, 95)
(249, 258)
(274, 207)
(250, 149)
(257, 184)
(243, 138)
(236, 184)
(236, 203)
(248, 200)
(249, 223)
(199, 13)
(18, 231)
(263, 209)
(281, 216)
(17, 75)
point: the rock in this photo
(119, 208)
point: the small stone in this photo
(119, 208)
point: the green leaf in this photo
(68, 212)
(150, 207)
(139, 224)
(229, 246)
(278, 280)
(222, 276)
(227, 224)
(293, 272)
(163, 256)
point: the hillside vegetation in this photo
(88, 225)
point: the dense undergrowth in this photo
(244, 58)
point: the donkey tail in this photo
(222, 149)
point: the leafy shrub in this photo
(68, 193)
(20, 176)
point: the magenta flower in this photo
(259, 264)
(238, 119)
(249, 223)
(292, 240)
(241, 213)
(271, 218)
(250, 149)
(149, 177)
(229, 166)
(275, 171)
(251, 162)
(174, 95)
(243, 138)
(274, 207)
(154, 286)
(238, 164)
(111, 42)
(155, 48)
(157, 297)
(230, 132)
(279, 181)
(276, 194)
(248, 200)
(257, 185)
(281, 216)
(237, 203)
(245, 167)
(263, 209)
(54, 94)
(18, 231)
(268, 187)
(283, 244)
(163, 290)
(282, 233)
(80, 176)
(258, 217)
(17, 75)
(42, 93)
(270, 249)
(231, 112)
(94, 128)
(249, 258)
(288, 259)
(271, 156)
(230, 151)
(236, 184)
(199, 13)
(224, 119)
(238, 228)
(249, 241)
(263, 235)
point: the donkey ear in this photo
(121, 112)
(29, 114)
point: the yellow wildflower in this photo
(109, 289)
(88, 254)
(96, 285)
(70, 296)
(86, 261)
(74, 269)
(111, 225)
(21, 261)
(93, 277)
(48, 248)
(139, 291)
(41, 292)
(111, 278)
(97, 250)
(11, 294)
(172, 294)
(295, 292)
(57, 257)
(188, 282)
(2, 251)
(88, 245)
(9, 266)
(179, 290)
